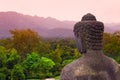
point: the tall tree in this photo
(24, 41)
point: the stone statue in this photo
(93, 65)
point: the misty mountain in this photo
(46, 27)
(112, 27)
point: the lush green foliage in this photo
(9, 58)
(37, 67)
(112, 45)
(17, 73)
(26, 55)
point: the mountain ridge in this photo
(46, 27)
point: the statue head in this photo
(89, 33)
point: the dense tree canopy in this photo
(26, 55)
(25, 41)
(112, 45)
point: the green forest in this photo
(27, 55)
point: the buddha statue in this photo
(93, 65)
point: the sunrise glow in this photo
(105, 10)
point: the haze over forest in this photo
(47, 27)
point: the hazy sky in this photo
(105, 10)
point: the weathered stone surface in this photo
(93, 65)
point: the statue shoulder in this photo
(116, 67)
(72, 65)
(113, 61)
(68, 71)
(118, 73)
(81, 72)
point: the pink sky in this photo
(105, 10)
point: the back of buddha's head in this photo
(89, 33)
(88, 17)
